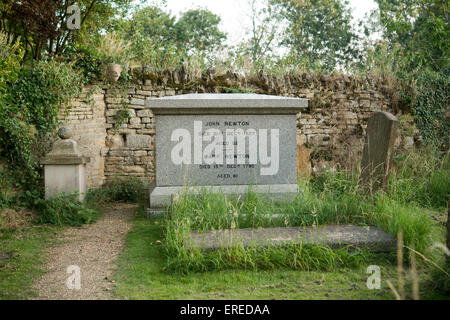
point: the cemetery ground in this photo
(153, 263)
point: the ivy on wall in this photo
(30, 99)
(430, 105)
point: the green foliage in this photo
(420, 184)
(120, 190)
(430, 105)
(417, 227)
(160, 42)
(65, 210)
(295, 257)
(42, 24)
(319, 31)
(264, 32)
(21, 271)
(421, 28)
(29, 111)
(152, 23)
(122, 116)
(86, 59)
(42, 89)
(197, 30)
(422, 178)
(154, 58)
(414, 61)
(10, 59)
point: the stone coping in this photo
(226, 103)
(334, 236)
(60, 160)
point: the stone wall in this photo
(331, 130)
(86, 117)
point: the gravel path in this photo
(93, 249)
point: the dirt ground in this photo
(92, 248)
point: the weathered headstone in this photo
(225, 142)
(378, 151)
(65, 167)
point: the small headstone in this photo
(378, 151)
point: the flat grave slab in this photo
(334, 236)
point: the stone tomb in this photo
(225, 142)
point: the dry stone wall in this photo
(86, 117)
(118, 131)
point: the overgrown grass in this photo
(329, 198)
(142, 274)
(293, 257)
(422, 177)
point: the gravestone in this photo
(225, 142)
(378, 151)
(65, 167)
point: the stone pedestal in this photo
(65, 168)
(227, 143)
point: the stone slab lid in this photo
(334, 236)
(226, 103)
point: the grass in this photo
(28, 246)
(330, 199)
(142, 274)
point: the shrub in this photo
(65, 210)
(86, 59)
(118, 189)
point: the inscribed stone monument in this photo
(225, 142)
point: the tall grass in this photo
(420, 184)
(422, 177)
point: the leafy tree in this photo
(420, 27)
(151, 23)
(153, 37)
(198, 30)
(415, 52)
(41, 24)
(264, 30)
(160, 42)
(319, 30)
